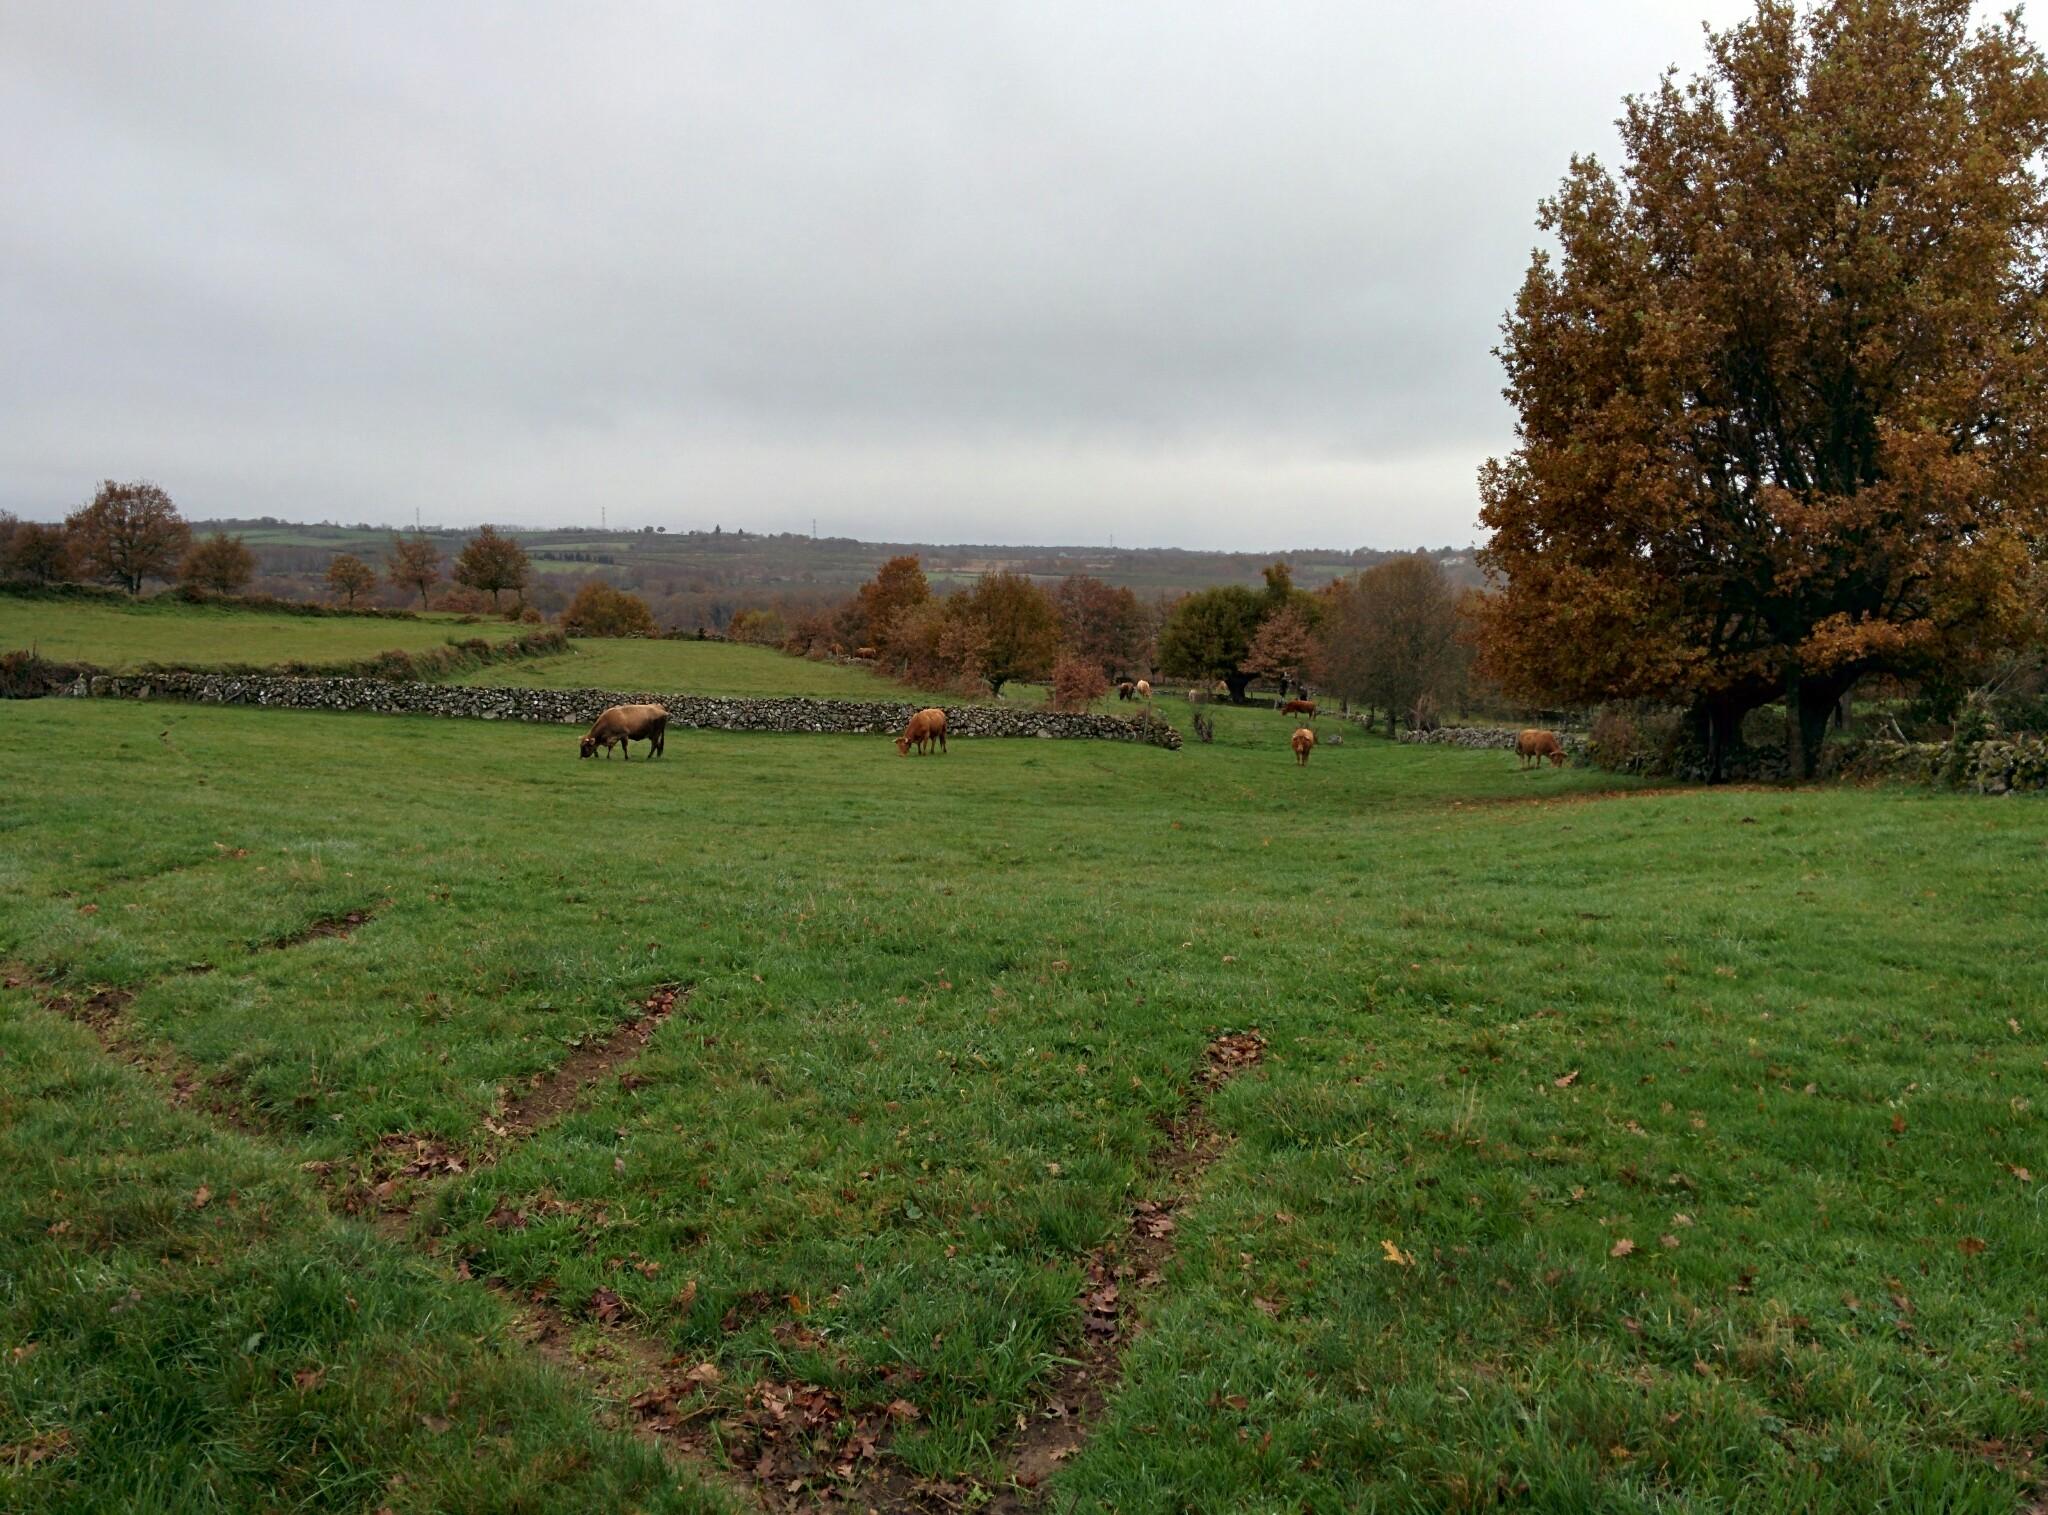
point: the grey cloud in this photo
(1199, 273)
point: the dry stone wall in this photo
(1490, 736)
(579, 707)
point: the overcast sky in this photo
(1218, 275)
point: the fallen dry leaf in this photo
(604, 1305)
(1396, 1256)
(308, 1379)
(1565, 1081)
(1621, 1248)
(1970, 1246)
(201, 1196)
(1668, 1242)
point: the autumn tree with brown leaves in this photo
(491, 563)
(876, 611)
(1077, 682)
(130, 532)
(1783, 387)
(413, 563)
(1102, 623)
(1016, 626)
(220, 563)
(37, 553)
(600, 610)
(349, 576)
(1284, 647)
(1391, 636)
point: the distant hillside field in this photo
(690, 667)
(116, 635)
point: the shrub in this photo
(599, 610)
(1077, 683)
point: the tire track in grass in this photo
(186, 1085)
(805, 1449)
(1135, 1259)
(624, 1369)
(407, 1170)
(655, 1394)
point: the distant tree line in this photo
(1392, 637)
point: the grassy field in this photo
(118, 636)
(687, 667)
(1611, 1149)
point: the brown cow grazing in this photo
(1126, 689)
(629, 723)
(1302, 740)
(926, 726)
(1298, 707)
(865, 652)
(1533, 746)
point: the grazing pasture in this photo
(120, 636)
(725, 668)
(1465, 1135)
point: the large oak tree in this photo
(492, 563)
(130, 532)
(1783, 386)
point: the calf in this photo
(629, 723)
(927, 726)
(1302, 740)
(1533, 746)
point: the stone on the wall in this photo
(579, 707)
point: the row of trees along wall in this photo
(1783, 382)
(132, 533)
(1389, 637)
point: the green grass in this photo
(688, 667)
(117, 636)
(941, 1007)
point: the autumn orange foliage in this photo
(1782, 388)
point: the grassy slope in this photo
(121, 636)
(940, 1004)
(692, 668)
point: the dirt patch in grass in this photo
(1132, 1261)
(341, 926)
(104, 1013)
(554, 1094)
(390, 1184)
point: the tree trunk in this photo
(1392, 734)
(1237, 683)
(1809, 702)
(1717, 726)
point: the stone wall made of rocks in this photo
(2012, 764)
(579, 707)
(1501, 737)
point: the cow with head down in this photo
(926, 728)
(623, 724)
(1533, 746)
